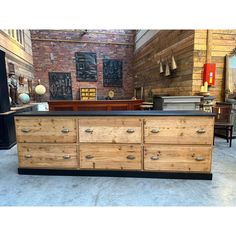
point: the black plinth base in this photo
(9, 146)
(7, 130)
(109, 173)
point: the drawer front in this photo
(46, 130)
(178, 158)
(48, 156)
(110, 130)
(112, 156)
(179, 130)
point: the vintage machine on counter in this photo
(207, 103)
(168, 103)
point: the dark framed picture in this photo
(86, 66)
(60, 86)
(112, 73)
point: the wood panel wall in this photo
(212, 46)
(192, 49)
(146, 63)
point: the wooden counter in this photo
(173, 144)
(98, 105)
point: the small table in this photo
(229, 131)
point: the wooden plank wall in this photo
(146, 66)
(222, 42)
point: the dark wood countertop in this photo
(95, 101)
(116, 113)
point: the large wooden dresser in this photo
(176, 144)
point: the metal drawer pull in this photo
(130, 131)
(199, 158)
(25, 130)
(154, 158)
(155, 131)
(66, 157)
(130, 157)
(88, 130)
(201, 131)
(27, 156)
(89, 156)
(65, 130)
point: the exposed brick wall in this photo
(112, 44)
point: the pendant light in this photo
(167, 70)
(161, 67)
(173, 63)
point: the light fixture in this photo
(167, 69)
(161, 67)
(173, 63)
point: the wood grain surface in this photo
(46, 130)
(181, 130)
(110, 156)
(59, 156)
(177, 158)
(110, 130)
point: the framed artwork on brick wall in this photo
(86, 66)
(112, 73)
(60, 86)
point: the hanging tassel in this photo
(167, 71)
(173, 63)
(161, 67)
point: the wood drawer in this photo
(46, 130)
(48, 156)
(110, 130)
(178, 158)
(110, 156)
(179, 130)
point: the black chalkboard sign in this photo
(60, 86)
(112, 73)
(86, 66)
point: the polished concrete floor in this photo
(22, 190)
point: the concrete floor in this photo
(20, 190)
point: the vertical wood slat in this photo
(209, 45)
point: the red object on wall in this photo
(209, 73)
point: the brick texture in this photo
(112, 44)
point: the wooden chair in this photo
(223, 121)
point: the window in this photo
(142, 36)
(17, 35)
